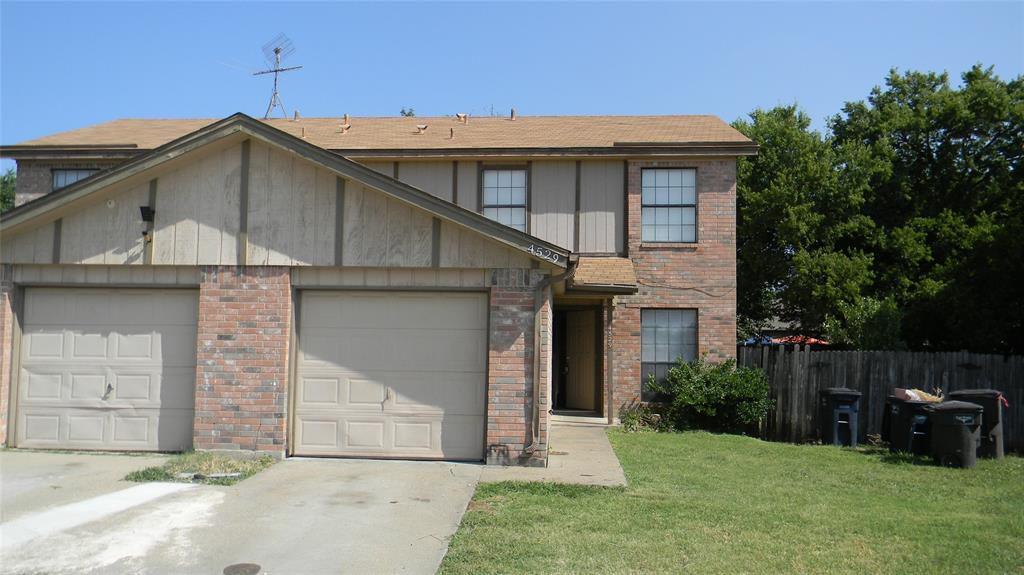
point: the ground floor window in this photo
(666, 334)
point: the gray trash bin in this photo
(992, 402)
(955, 433)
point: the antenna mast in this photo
(275, 51)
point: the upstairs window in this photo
(665, 336)
(62, 178)
(669, 211)
(504, 197)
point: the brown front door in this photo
(581, 361)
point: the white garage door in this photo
(392, 374)
(107, 369)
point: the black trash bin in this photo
(909, 427)
(991, 401)
(838, 408)
(956, 433)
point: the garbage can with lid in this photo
(909, 426)
(992, 401)
(838, 408)
(956, 433)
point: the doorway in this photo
(577, 359)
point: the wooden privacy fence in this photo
(796, 374)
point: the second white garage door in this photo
(392, 374)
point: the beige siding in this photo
(291, 210)
(602, 199)
(106, 275)
(435, 178)
(553, 202)
(468, 186)
(386, 168)
(107, 231)
(33, 246)
(394, 277)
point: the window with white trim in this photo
(66, 177)
(504, 197)
(669, 205)
(665, 336)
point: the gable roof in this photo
(26, 214)
(443, 136)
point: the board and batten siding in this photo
(291, 221)
(435, 178)
(602, 203)
(553, 202)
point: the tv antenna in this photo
(276, 50)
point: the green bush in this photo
(713, 396)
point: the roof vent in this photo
(420, 128)
(344, 119)
(462, 118)
(451, 133)
(512, 116)
(345, 127)
(296, 116)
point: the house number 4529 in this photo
(543, 253)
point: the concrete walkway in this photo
(580, 453)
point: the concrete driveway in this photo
(66, 513)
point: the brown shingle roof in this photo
(604, 271)
(400, 133)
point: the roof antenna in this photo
(276, 50)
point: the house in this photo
(385, 287)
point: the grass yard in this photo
(705, 503)
(204, 464)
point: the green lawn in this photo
(705, 503)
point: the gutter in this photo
(537, 305)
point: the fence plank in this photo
(796, 375)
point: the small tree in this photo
(407, 112)
(7, 181)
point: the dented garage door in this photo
(107, 369)
(391, 374)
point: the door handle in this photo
(106, 392)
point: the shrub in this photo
(639, 417)
(713, 396)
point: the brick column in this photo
(6, 344)
(511, 365)
(242, 373)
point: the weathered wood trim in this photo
(576, 210)
(625, 208)
(394, 170)
(339, 223)
(529, 196)
(455, 182)
(148, 241)
(57, 236)
(435, 244)
(480, 188)
(242, 245)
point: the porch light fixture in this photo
(147, 213)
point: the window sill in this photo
(685, 246)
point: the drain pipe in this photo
(537, 305)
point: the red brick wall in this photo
(510, 368)
(6, 345)
(242, 372)
(699, 276)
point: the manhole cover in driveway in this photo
(242, 569)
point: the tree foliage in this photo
(913, 198)
(7, 190)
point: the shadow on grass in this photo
(882, 453)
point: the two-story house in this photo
(385, 287)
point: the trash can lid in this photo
(975, 393)
(957, 406)
(840, 391)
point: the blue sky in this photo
(67, 65)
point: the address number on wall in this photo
(543, 253)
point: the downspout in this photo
(537, 305)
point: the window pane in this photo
(675, 178)
(648, 233)
(504, 196)
(675, 216)
(688, 215)
(505, 178)
(689, 178)
(675, 196)
(647, 216)
(661, 178)
(647, 178)
(518, 197)
(519, 217)
(661, 234)
(662, 216)
(689, 234)
(688, 317)
(490, 196)
(675, 234)
(491, 213)
(647, 195)
(688, 196)
(490, 178)
(661, 195)
(519, 178)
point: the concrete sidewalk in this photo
(580, 453)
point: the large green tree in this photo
(914, 198)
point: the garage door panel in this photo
(392, 375)
(96, 375)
